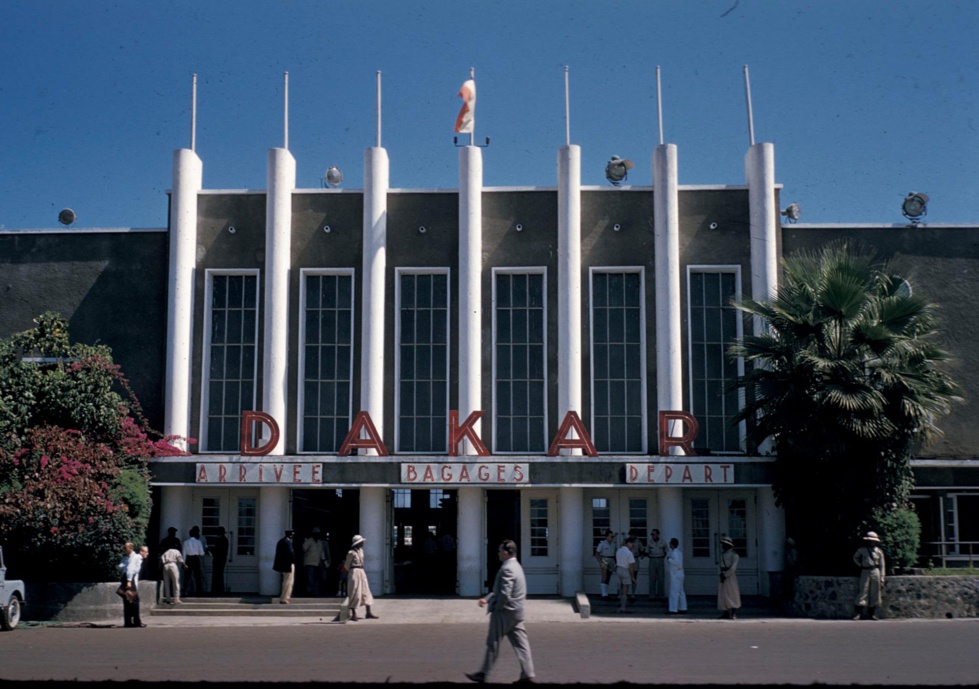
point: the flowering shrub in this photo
(74, 457)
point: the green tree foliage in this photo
(900, 535)
(74, 457)
(846, 383)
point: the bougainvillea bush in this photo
(74, 457)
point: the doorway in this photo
(502, 522)
(423, 541)
(235, 509)
(708, 516)
(336, 513)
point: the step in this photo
(258, 606)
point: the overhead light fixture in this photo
(66, 217)
(915, 205)
(617, 170)
(792, 212)
(332, 178)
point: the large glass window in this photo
(714, 325)
(601, 520)
(700, 527)
(247, 526)
(737, 524)
(618, 361)
(538, 527)
(327, 360)
(519, 375)
(638, 523)
(230, 347)
(423, 362)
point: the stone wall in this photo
(904, 596)
(81, 602)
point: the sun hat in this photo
(871, 536)
(358, 539)
(727, 541)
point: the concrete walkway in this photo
(454, 610)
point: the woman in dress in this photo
(358, 590)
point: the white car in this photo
(12, 598)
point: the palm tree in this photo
(847, 382)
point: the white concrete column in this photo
(771, 538)
(273, 520)
(176, 510)
(373, 285)
(671, 520)
(666, 221)
(470, 287)
(187, 182)
(763, 216)
(571, 537)
(470, 541)
(759, 164)
(569, 281)
(278, 242)
(373, 515)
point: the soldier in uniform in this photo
(870, 559)
(605, 554)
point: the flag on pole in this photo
(464, 122)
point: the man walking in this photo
(285, 563)
(505, 605)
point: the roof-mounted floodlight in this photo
(66, 217)
(332, 178)
(792, 212)
(617, 170)
(915, 205)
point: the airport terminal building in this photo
(437, 370)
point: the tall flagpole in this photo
(659, 105)
(193, 114)
(751, 119)
(285, 111)
(472, 132)
(378, 108)
(567, 110)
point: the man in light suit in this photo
(505, 605)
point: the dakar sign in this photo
(571, 435)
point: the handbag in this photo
(342, 568)
(128, 594)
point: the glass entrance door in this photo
(423, 540)
(236, 509)
(538, 551)
(625, 512)
(708, 516)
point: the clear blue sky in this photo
(864, 100)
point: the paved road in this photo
(593, 651)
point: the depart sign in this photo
(679, 473)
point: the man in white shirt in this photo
(130, 608)
(625, 568)
(674, 561)
(194, 557)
